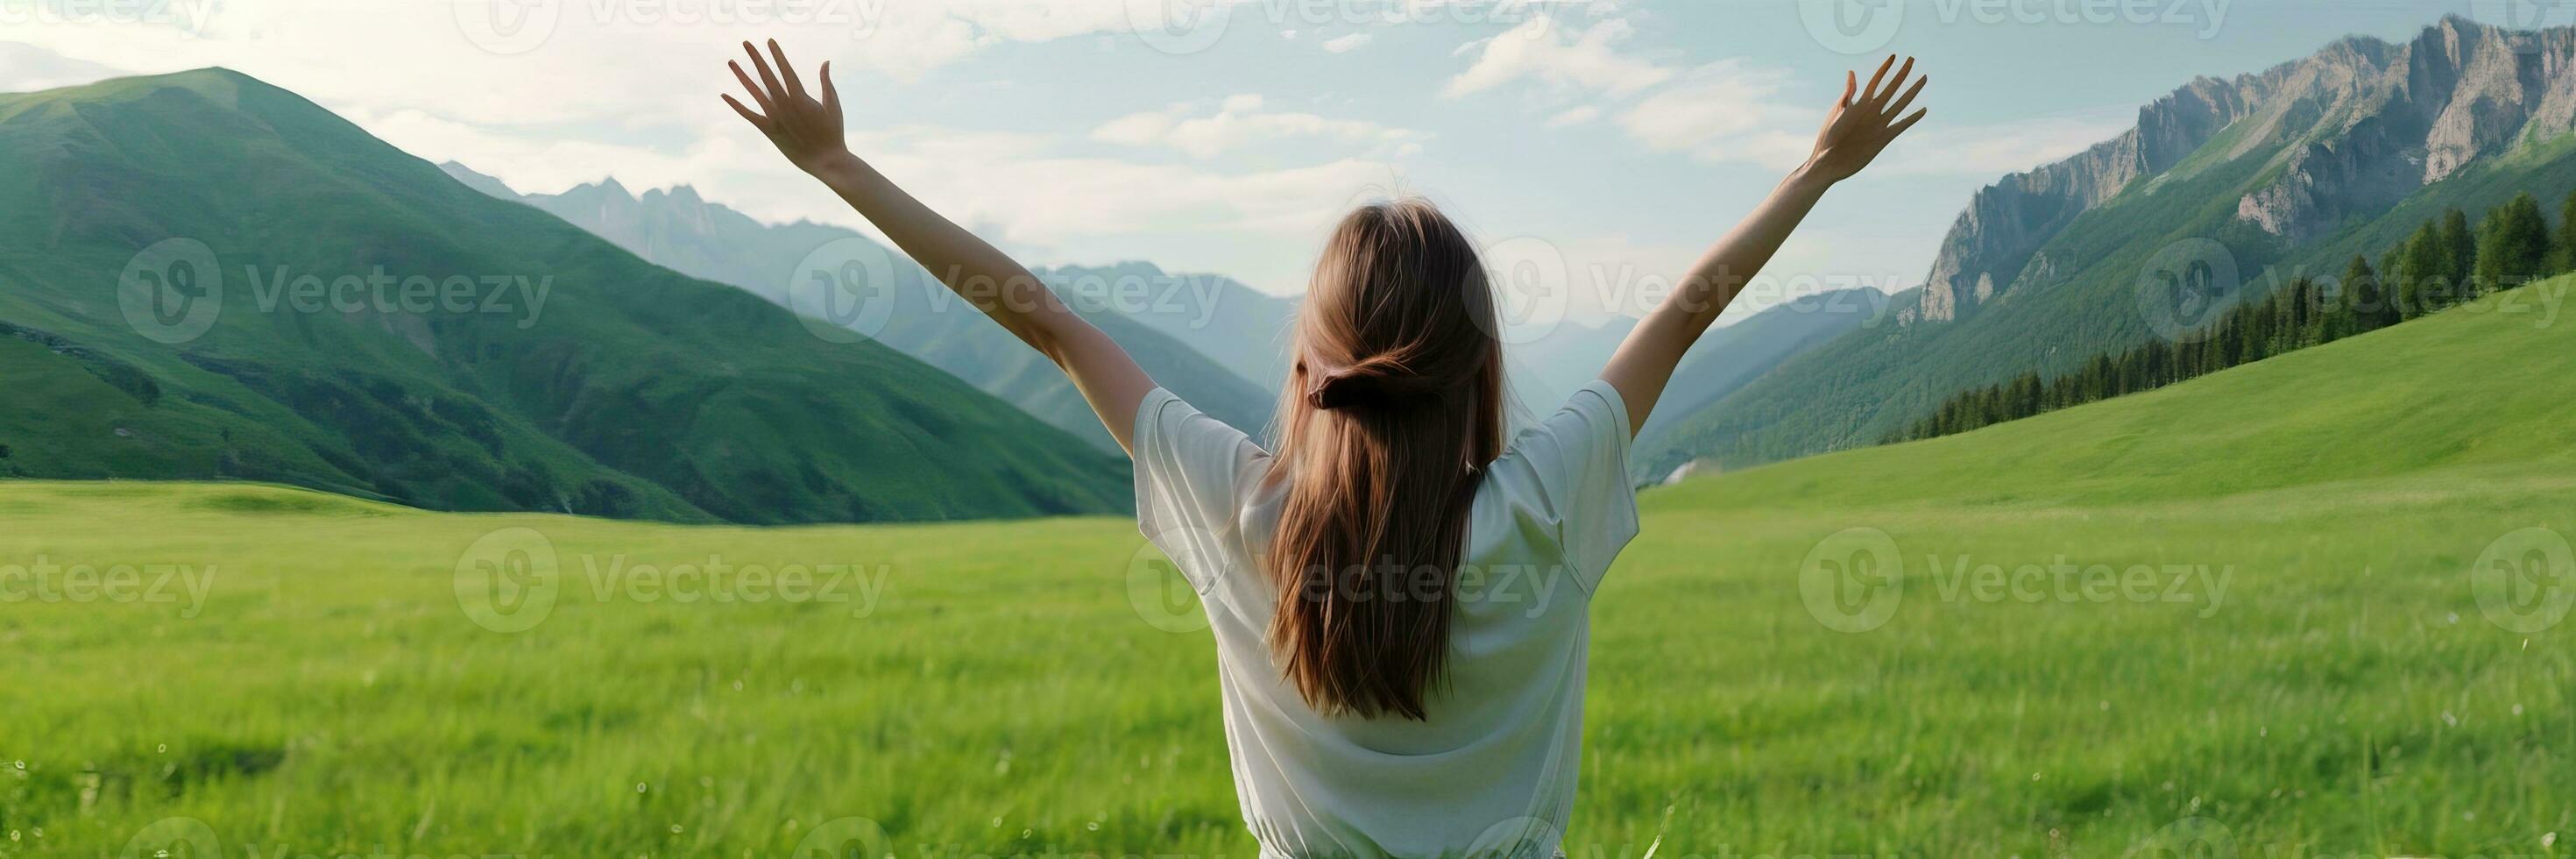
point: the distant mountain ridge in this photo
(1727, 359)
(1166, 321)
(1241, 328)
(2293, 168)
(210, 277)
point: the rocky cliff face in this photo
(1994, 240)
(2351, 129)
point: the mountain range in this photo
(1216, 342)
(2244, 182)
(204, 276)
(1213, 341)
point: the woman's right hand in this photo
(1863, 122)
(805, 129)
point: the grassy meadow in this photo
(2290, 655)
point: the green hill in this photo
(564, 374)
(2329, 682)
(2483, 386)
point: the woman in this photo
(1402, 669)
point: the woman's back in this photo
(1491, 771)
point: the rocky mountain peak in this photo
(2353, 128)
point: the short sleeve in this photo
(1580, 458)
(1190, 475)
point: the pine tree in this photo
(2564, 260)
(2296, 317)
(2366, 306)
(2513, 245)
(2422, 273)
(2392, 264)
(2462, 243)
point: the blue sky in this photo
(1619, 136)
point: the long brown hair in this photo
(1390, 418)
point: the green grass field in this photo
(1001, 689)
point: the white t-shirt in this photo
(1492, 772)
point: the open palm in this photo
(806, 129)
(1865, 121)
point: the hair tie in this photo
(1376, 382)
(1334, 391)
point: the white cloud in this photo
(1241, 121)
(1994, 149)
(1010, 183)
(1736, 111)
(1347, 44)
(1725, 111)
(27, 68)
(1578, 116)
(450, 58)
(1543, 49)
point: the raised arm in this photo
(1859, 127)
(808, 131)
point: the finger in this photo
(1851, 87)
(1898, 109)
(1909, 122)
(831, 95)
(786, 70)
(1897, 81)
(757, 121)
(776, 93)
(765, 106)
(1869, 94)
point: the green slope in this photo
(1727, 359)
(979, 684)
(630, 391)
(2482, 386)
